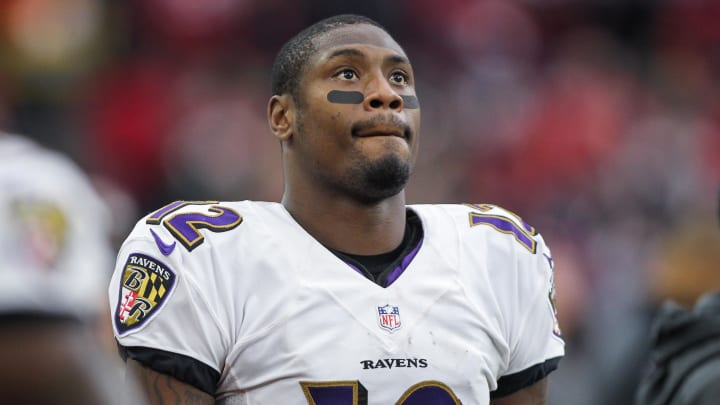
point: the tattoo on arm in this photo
(162, 389)
(193, 398)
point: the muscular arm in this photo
(161, 389)
(535, 394)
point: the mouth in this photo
(374, 132)
(393, 128)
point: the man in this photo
(342, 294)
(54, 249)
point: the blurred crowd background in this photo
(596, 121)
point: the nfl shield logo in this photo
(389, 317)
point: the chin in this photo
(379, 179)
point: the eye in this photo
(346, 74)
(399, 78)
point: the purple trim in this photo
(354, 267)
(400, 268)
(504, 225)
(165, 248)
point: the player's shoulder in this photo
(54, 223)
(463, 210)
(176, 240)
(482, 222)
(19, 147)
(30, 170)
(192, 224)
(192, 248)
(19, 151)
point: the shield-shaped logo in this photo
(144, 287)
(389, 317)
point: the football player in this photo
(54, 249)
(341, 294)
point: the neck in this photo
(349, 226)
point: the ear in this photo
(281, 113)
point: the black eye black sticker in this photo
(345, 97)
(355, 97)
(410, 102)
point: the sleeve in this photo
(535, 340)
(164, 312)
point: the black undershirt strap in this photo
(378, 267)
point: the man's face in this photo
(362, 139)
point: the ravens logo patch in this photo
(145, 285)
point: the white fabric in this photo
(269, 307)
(55, 252)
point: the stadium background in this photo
(597, 121)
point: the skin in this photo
(161, 389)
(321, 154)
(329, 151)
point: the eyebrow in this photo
(357, 53)
(345, 52)
(397, 59)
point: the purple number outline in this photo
(425, 392)
(504, 225)
(334, 392)
(185, 226)
(353, 393)
(488, 207)
(158, 215)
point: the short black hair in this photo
(290, 61)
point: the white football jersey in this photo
(54, 233)
(239, 300)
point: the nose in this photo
(381, 95)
